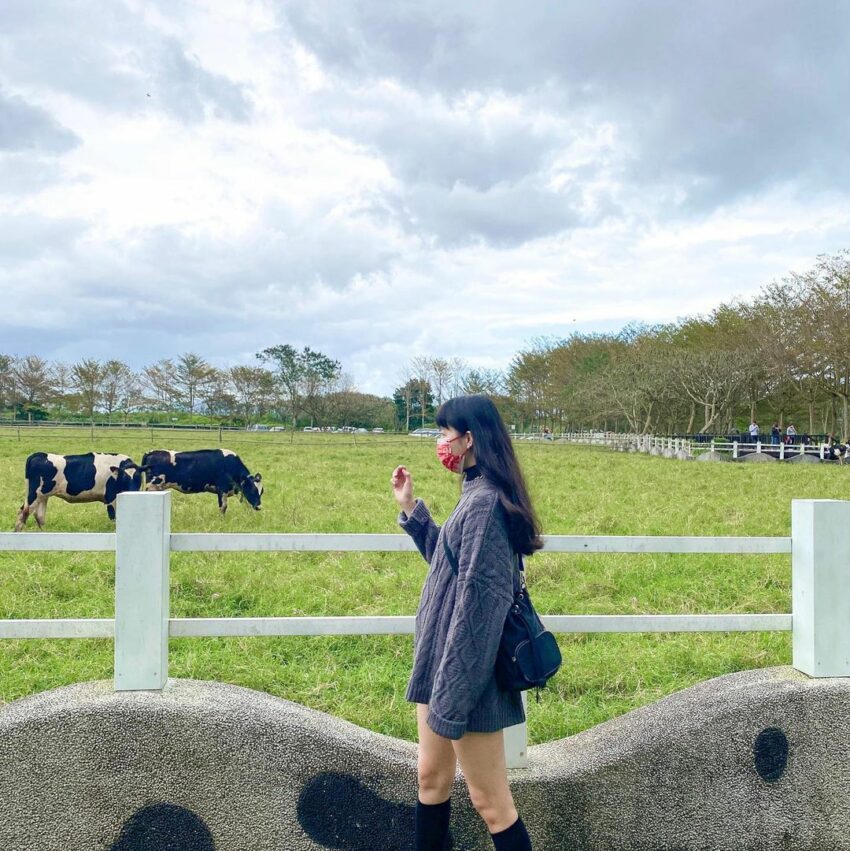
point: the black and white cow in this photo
(217, 471)
(93, 477)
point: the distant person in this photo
(833, 448)
(547, 433)
(791, 433)
(775, 434)
(754, 432)
(460, 710)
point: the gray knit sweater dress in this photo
(460, 618)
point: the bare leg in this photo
(222, 502)
(436, 761)
(482, 761)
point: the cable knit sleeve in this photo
(483, 597)
(421, 527)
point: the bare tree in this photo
(7, 382)
(457, 371)
(132, 393)
(159, 380)
(63, 385)
(87, 377)
(216, 392)
(115, 373)
(191, 373)
(33, 380)
(440, 371)
(713, 379)
(420, 366)
(253, 388)
(827, 304)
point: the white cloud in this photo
(402, 180)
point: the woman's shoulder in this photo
(482, 501)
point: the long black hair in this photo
(495, 457)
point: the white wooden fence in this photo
(819, 546)
(671, 446)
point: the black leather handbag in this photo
(528, 654)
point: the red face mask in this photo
(453, 463)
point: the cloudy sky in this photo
(382, 180)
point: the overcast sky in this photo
(379, 180)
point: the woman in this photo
(460, 710)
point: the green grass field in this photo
(325, 483)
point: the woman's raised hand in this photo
(402, 483)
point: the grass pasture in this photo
(326, 483)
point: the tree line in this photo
(783, 355)
(285, 385)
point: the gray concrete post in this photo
(143, 545)
(516, 741)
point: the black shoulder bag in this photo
(528, 653)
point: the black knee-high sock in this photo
(432, 825)
(513, 838)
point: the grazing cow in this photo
(217, 471)
(93, 477)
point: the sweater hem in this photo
(445, 727)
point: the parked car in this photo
(258, 427)
(278, 428)
(377, 431)
(425, 432)
(311, 428)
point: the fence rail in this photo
(685, 448)
(819, 546)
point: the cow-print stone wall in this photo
(748, 762)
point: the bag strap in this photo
(456, 568)
(450, 556)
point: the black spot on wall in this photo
(164, 827)
(338, 811)
(770, 753)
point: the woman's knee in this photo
(496, 810)
(436, 779)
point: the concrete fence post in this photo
(735, 450)
(820, 586)
(143, 546)
(516, 740)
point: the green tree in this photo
(303, 376)
(408, 400)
